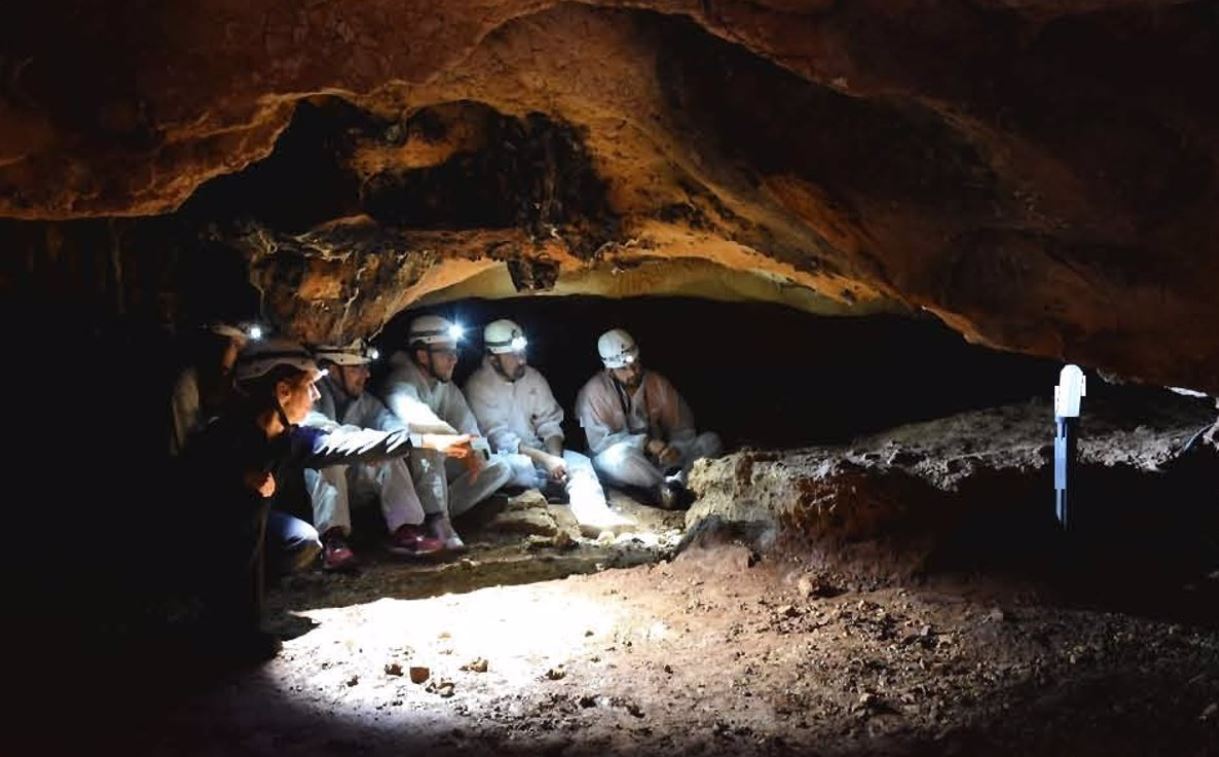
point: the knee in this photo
(498, 471)
(304, 555)
(709, 444)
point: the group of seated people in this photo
(420, 448)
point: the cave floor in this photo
(714, 651)
(542, 641)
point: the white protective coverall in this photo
(335, 489)
(428, 406)
(525, 412)
(618, 426)
(185, 410)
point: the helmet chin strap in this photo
(283, 417)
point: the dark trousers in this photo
(263, 541)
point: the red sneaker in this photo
(412, 541)
(336, 554)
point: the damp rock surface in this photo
(1041, 176)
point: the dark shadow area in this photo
(458, 165)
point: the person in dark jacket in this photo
(232, 469)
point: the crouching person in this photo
(640, 430)
(231, 471)
(334, 490)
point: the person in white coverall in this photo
(206, 384)
(334, 490)
(640, 430)
(514, 405)
(420, 391)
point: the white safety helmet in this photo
(504, 336)
(434, 329)
(617, 348)
(355, 353)
(261, 357)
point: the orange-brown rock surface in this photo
(1040, 175)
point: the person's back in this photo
(204, 384)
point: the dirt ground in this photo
(716, 651)
(710, 654)
(542, 641)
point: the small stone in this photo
(419, 674)
(804, 587)
(353, 680)
(556, 674)
(669, 669)
(393, 669)
(534, 542)
(479, 665)
(925, 631)
(789, 611)
(587, 701)
(446, 689)
(1211, 711)
(996, 615)
(588, 632)
(634, 709)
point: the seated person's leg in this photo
(625, 465)
(291, 543)
(390, 486)
(524, 473)
(466, 491)
(431, 480)
(588, 503)
(329, 495)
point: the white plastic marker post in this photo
(1072, 386)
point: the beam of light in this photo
(457, 332)
(521, 631)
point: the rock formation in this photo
(1039, 175)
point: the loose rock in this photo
(478, 665)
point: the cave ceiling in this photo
(1039, 175)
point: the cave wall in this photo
(1038, 175)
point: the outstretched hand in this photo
(456, 446)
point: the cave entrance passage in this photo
(758, 374)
